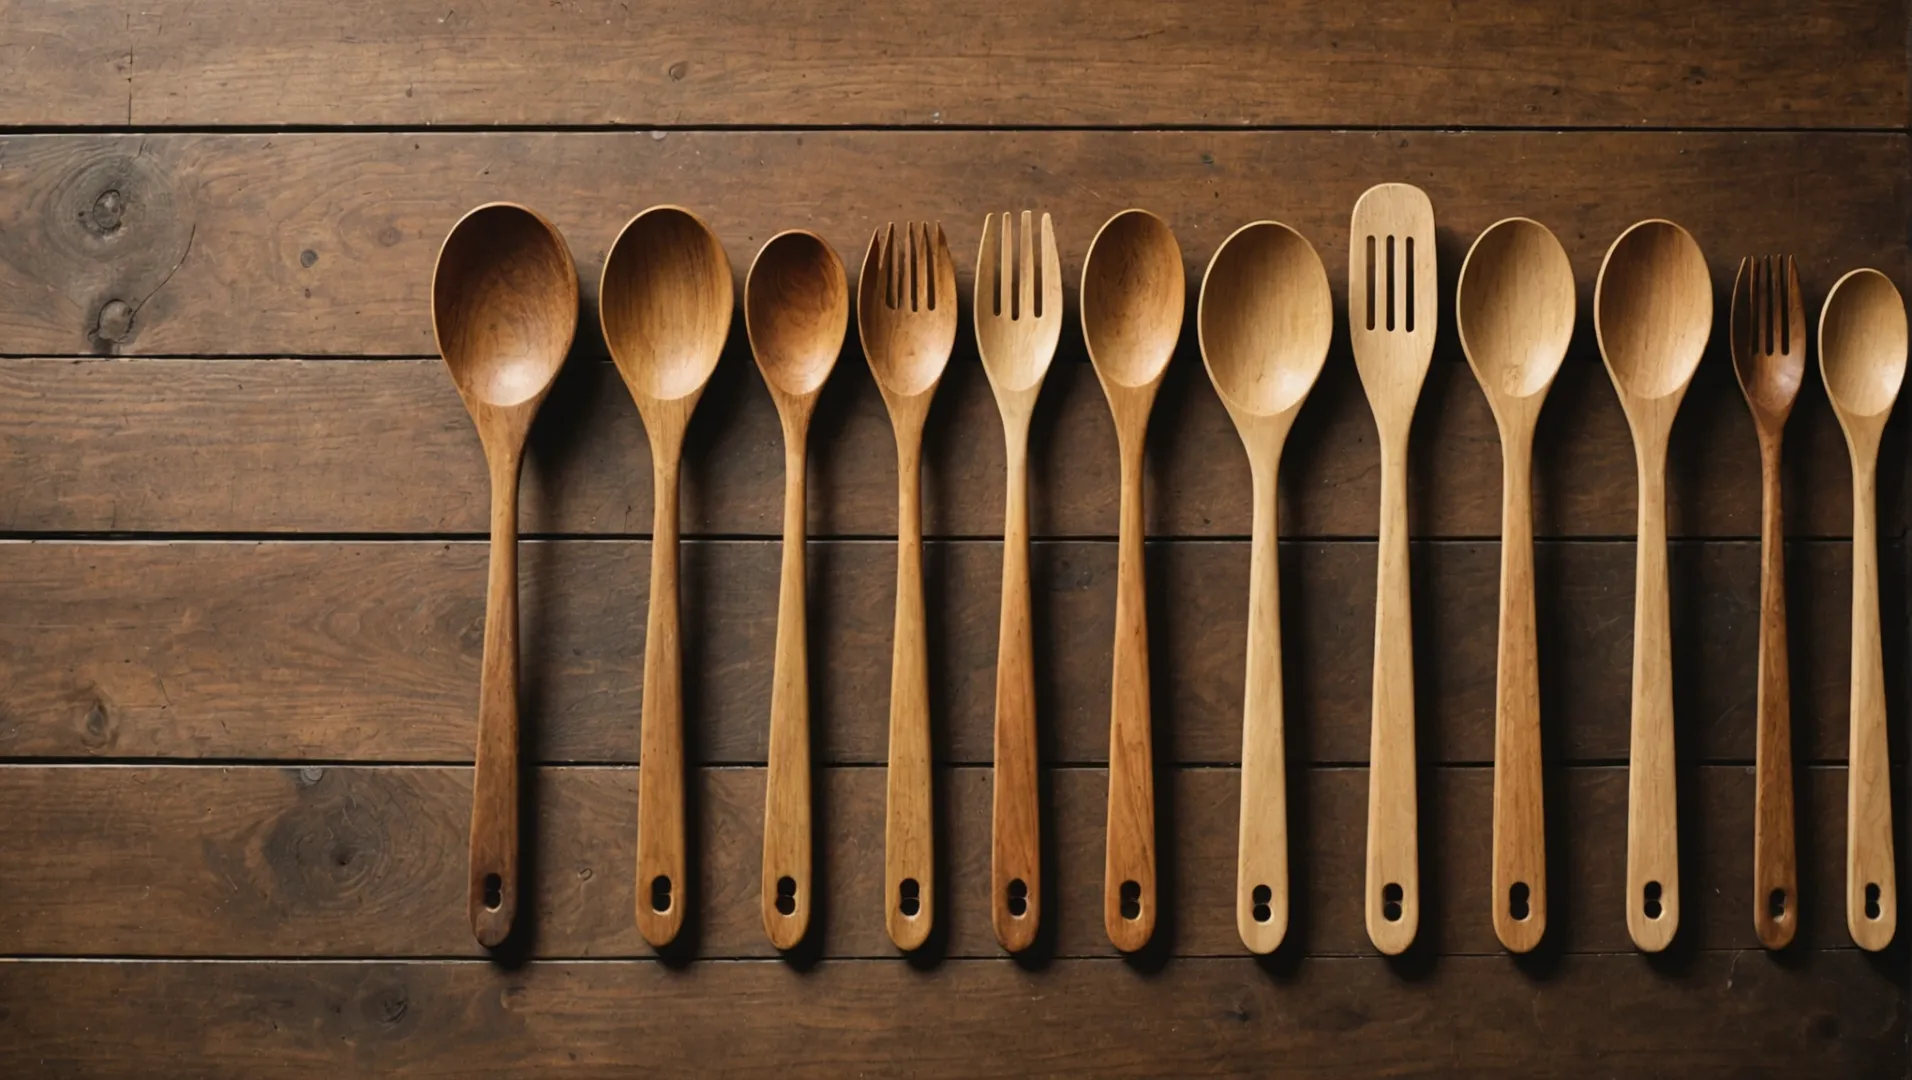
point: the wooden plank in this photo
(1816, 1015)
(370, 651)
(1308, 62)
(322, 243)
(301, 447)
(357, 862)
(67, 63)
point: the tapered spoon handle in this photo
(1653, 870)
(1872, 910)
(661, 888)
(909, 909)
(1393, 900)
(1261, 887)
(1775, 871)
(1128, 883)
(786, 827)
(1520, 836)
(492, 896)
(1015, 874)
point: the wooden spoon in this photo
(1264, 319)
(796, 306)
(1018, 317)
(1132, 298)
(1652, 313)
(1862, 340)
(1515, 308)
(665, 301)
(504, 310)
(1768, 335)
(1393, 299)
(906, 316)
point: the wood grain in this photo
(598, 62)
(363, 862)
(321, 243)
(185, 650)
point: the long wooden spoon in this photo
(1264, 319)
(1018, 316)
(665, 301)
(906, 317)
(1862, 340)
(504, 310)
(796, 306)
(1515, 308)
(1652, 312)
(1393, 310)
(1768, 335)
(1133, 293)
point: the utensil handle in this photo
(786, 828)
(1653, 866)
(1775, 873)
(1872, 910)
(1261, 887)
(492, 893)
(660, 791)
(1520, 828)
(1015, 874)
(1393, 871)
(1128, 883)
(909, 879)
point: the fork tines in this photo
(1016, 276)
(910, 281)
(1774, 309)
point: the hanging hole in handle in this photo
(1776, 905)
(1260, 896)
(1518, 897)
(660, 894)
(1391, 895)
(1651, 896)
(1131, 900)
(909, 897)
(1872, 900)
(494, 892)
(1018, 898)
(786, 902)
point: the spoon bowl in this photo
(665, 299)
(1132, 299)
(1653, 309)
(504, 304)
(796, 307)
(1264, 318)
(1515, 307)
(1862, 343)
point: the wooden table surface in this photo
(244, 541)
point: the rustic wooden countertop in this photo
(241, 535)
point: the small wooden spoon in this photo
(1394, 307)
(1768, 335)
(1652, 313)
(1862, 340)
(1132, 298)
(1264, 318)
(1515, 307)
(796, 306)
(504, 310)
(665, 301)
(906, 316)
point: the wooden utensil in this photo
(1768, 333)
(665, 300)
(906, 316)
(1862, 341)
(1652, 313)
(504, 310)
(1393, 311)
(1018, 316)
(1132, 299)
(796, 307)
(1264, 319)
(1515, 308)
